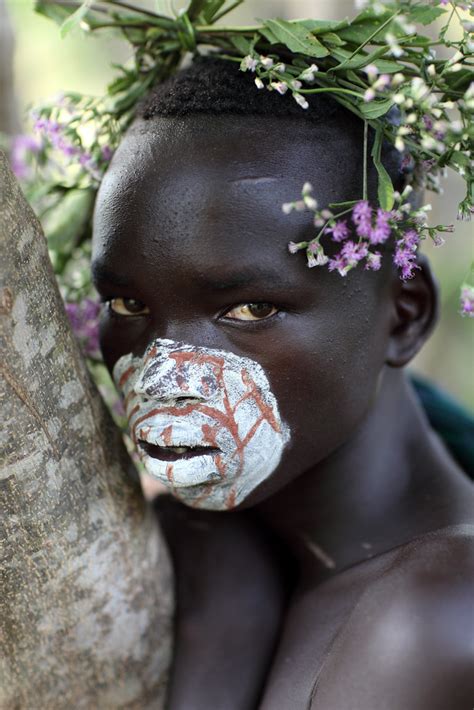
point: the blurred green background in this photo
(45, 64)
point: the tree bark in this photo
(85, 581)
(9, 121)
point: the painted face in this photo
(191, 246)
(204, 421)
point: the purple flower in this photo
(405, 259)
(467, 301)
(340, 231)
(362, 218)
(107, 153)
(353, 253)
(84, 320)
(381, 232)
(339, 263)
(428, 122)
(374, 261)
(22, 146)
(410, 240)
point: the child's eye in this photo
(252, 311)
(127, 307)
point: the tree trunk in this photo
(85, 579)
(9, 122)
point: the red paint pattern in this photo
(125, 375)
(167, 434)
(224, 419)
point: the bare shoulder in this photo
(409, 641)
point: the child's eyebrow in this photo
(238, 280)
(102, 273)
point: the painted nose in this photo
(164, 378)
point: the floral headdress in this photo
(369, 64)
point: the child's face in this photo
(190, 248)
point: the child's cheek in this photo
(205, 422)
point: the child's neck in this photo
(390, 483)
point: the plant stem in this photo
(364, 177)
(225, 11)
(331, 89)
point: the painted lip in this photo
(170, 455)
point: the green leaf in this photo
(332, 39)
(56, 13)
(317, 27)
(211, 9)
(195, 8)
(385, 193)
(297, 38)
(460, 158)
(64, 224)
(375, 109)
(425, 15)
(362, 60)
(358, 32)
(76, 18)
(241, 44)
(269, 35)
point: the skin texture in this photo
(189, 224)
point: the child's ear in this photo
(415, 312)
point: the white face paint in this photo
(215, 404)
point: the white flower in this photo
(382, 82)
(408, 28)
(456, 57)
(398, 99)
(371, 71)
(308, 74)
(398, 79)
(411, 118)
(259, 83)
(369, 95)
(399, 144)
(428, 142)
(307, 188)
(267, 62)
(395, 48)
(301, 100)
(310, 202)
(280, 67)
(431, 70)
(280, 86)
(293, 247)
(418, 88)
(248, 63)
(455, 67)
(295, 84)
(287, 207)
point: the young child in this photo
(321, 533)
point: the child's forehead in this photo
(207, 194)
(287, 146)
(222, 169)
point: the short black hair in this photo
(215, 86)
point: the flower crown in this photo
(374, 62)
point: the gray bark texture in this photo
(86, 596)
(9, 122)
